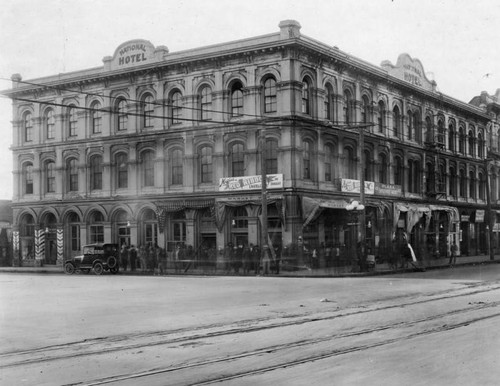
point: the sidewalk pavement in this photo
(380, 269)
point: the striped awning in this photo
(178, 205)
(172, 206)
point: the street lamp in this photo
(356, 212)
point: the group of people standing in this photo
(249, 258)
(145, 258)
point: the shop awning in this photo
(416, 211)
(172, 206)
(312, 207)
(222, 203)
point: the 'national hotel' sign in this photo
(134, 53)
(409, 70)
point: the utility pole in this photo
(362, 216)
(263, 172)
(489, 211)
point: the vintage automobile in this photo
(97, 257)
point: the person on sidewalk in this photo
(266, 261)
(453, 254)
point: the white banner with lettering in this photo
(228, 184)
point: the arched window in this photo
(205, 103)
(368, 167)
(381, 117)
(472, 184)
(122, 115)
(463, 183)
(365, 110)
(451, 137)
(271, 156)
(442, 179)
(307, 159)
(28, 127)
(441, 134)
(96, 227)
(72, 170)
(429, 134)
(396, 122)
(410, 125)
(452, 191)
(471, 143)
(96, 172)
(147, 168)
(270, 95)
(28, 178)
(347, 107)
(414, 176)
(417, 125)
(176, 167)
(350, 171)
(237, 160)
(206, 164)
(121, 160)
(480, 145)
(72, 121)
(329, 105)
(328, 162)
(398, 171)
(236, 99)
(383, 166)
(50, 124)
(150, 227)
(431, 178)
(306, 96)
(50, 177)
(96, 118)
(482, 186)
(73, 222)
(461, 140)
(147, 111)
(175, 108)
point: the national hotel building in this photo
(163, 147)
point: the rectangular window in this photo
(96, 234)
(75, 237)
(151, 234)
(73, 182)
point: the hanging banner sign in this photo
(354, 186)
(479, 215)
(229, 184)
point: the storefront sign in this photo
(388, 189)
(465, 218)
(274, 181)
(354, 186)
(480, 215)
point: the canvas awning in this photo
(222, 203)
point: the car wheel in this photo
(98, 268)
(112, 262)
(69, 268)
(114, 270)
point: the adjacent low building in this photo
(165, 148)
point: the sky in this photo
(457, 41)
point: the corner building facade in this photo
(163, 148)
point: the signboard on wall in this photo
(354, 186)
(230, 184)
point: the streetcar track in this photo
(84, 348)
(324, 355)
